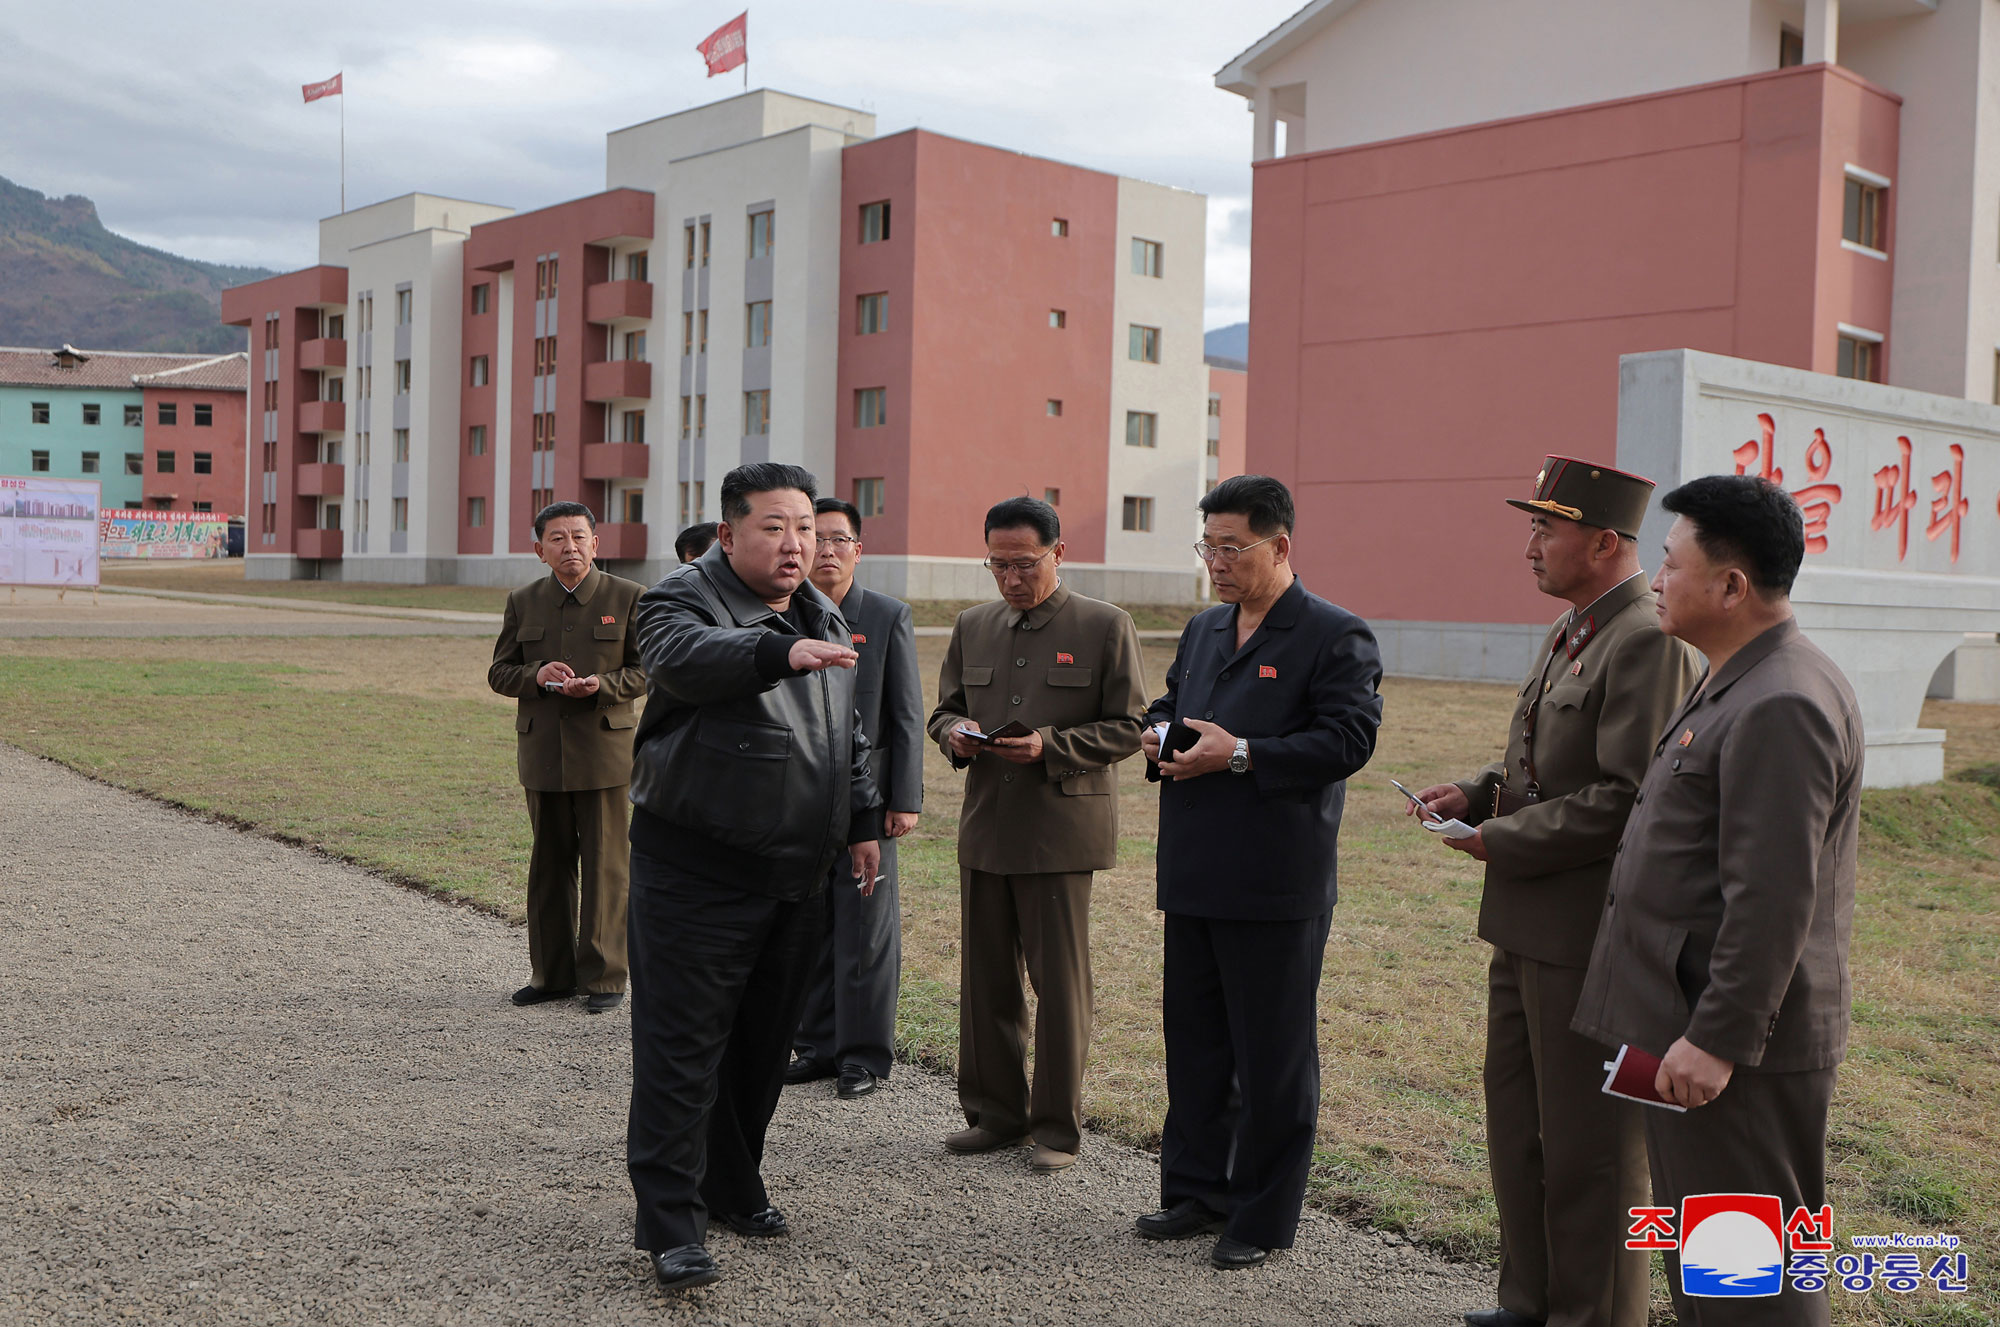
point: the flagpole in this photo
(343, 146)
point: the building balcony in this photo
(618, 380)
(608, 301)
(322, 480)
(617, 460)
(325, 353)
(322, 545)
(322, 417)
(621, 543)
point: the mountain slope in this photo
(64, 277)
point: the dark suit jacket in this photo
(1599, 716)
(1261, 846)
(888, 695)
(569, 745)
(1732, 900)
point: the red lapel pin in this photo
(1065, 658)
(1265, 670)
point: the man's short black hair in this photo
(1745, 521)
(1025, 513)
(1263, 500)
(555, 511)
(692, 542)
(762, 477)
(847, 509)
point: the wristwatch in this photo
(1239, 760)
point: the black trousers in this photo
(1241, 1006)
(850, 1009)
(717, 979)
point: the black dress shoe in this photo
(806, 1070)
(756, 1225)
(685, 1267)
(536, 995)
(603, 1002)
(1184, 1220)
(1500, 1318)
(1233, 1254)
(856, 1082)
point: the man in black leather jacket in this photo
(750, 775)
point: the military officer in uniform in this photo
(1567, 1161)
(1040, 816)
(567, 654)
(1723, 949)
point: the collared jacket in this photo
(1069, 668)
(1596, 718)
(737, 748)
(565, 744)
(1732, 901)
(889, 694)
(1263, 845)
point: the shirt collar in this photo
(1038, 616)
(1610, 601)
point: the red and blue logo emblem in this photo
(1732, 1245)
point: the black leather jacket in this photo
(762, 760)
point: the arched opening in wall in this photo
(1969, 673)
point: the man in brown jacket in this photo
(1567, 1161)
(567, 653)
(1724, 943)
(1040, 815)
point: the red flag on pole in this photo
(314, 91)
(728, 46)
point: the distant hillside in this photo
(64, 277)
(1230, 343)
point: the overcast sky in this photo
(185, 123)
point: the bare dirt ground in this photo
(42, 613)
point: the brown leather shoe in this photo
(977, 1139)
(1047, 1158)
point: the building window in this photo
(38, 463)
(869, 408)
(1142, 429)
(1053, 409)
(687, 417)
(701, 332)
(635, 506)
(475, 512)
(204, 414)
(757, 323)
(1145, 344)
(481, 370)
(635, 346)
(687, 333)
(634, 425)
(90, 463)
(1052, 496)
(402, 377)
(1861, 215)
(399, 514)
(1791, 47)
(135, 415)
(1215, 446)
(482, 297)
(329, 452)
(38, 412)
(406, 305)
(135, 463)
(1996, 377)
(92, 412)
(204, 506)
(701, 416)
(874, 222)
(1139, 514)
(401, 439)
(475, 440)
(1058, 319)
(690, 246)
(871, 314)
(1059, 227)
(1860, 357)
(868, 497)
(204, 463)
(1215, 407)
(704, 244)
(1146, 258)
(684, 522)
(635, 266)
(163, 463)
(334, 327)
(545, 279)
(169, 413)
(330, 389)
(760, 234)
(757, 412)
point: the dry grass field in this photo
(393, 754)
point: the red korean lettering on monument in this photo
(1949, 507)
(1891, 506)
(1748, 454)
(1817, 499)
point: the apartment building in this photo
(1465, 214)
(629, 348)
(195, 415)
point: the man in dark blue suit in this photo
(1271, 704)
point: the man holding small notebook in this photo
(1567, 1161)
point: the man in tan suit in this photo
(1040, 815)
(1724, 944)
(1567, 1161)
(567, 653)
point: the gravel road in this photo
(248, 1085)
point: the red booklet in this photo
(1633, 1076)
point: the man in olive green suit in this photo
(1567, 1161)
(1040, 815)
(567, 653)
